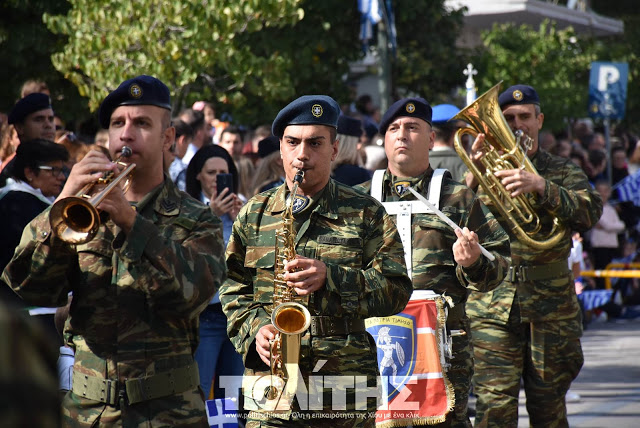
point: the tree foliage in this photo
(26, 46)
(320, 48)
(428, 63)
(176, 41)
(555, 62)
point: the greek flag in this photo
(370, 15)
(629, 189)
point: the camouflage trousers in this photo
(459, 375)
(183, 410)
(545, 355)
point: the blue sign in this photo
(608, 89)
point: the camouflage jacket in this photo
(569, 197)
(366, 275)
(28, 371)
(434, 267)
(136, 298)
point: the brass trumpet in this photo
(502, 151)
(76, 219)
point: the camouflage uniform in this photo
(434, 267)
(134, 314)
(28, 372)
(529, 327)
(366, 276)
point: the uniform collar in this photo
(326, 204)
(540, 160)
(420, 186)
(168, 198)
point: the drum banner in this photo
(415, 389)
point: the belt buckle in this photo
(114, 385)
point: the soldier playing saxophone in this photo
(349, 264)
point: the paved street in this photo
(609, 383)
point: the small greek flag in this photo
(370, 15)
(222, 413)
(629, 189)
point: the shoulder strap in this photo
(403, 210)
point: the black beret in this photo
(27, 105)
(518, 94)
(268, 145)
(141, 90)
(307, 110)
(409, 107)
(349, 126)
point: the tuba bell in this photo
(76, 219)
(502, 151)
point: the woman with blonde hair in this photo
(269, 171)
(347, 168)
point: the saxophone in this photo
(290, 316)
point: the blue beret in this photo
(27, 105)
(444, 112)
(349, 126)
(518, 94)
(307, 110)
(406, 107)
(141, 90)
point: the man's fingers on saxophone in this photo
(305, 275)
(264, 337)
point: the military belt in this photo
(331, 326)
(136, 390)
(538, 272)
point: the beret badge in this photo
(316, 110)
(517, 95)
(135, 91)
(410, 108)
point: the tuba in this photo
(76, 219)
(290, 315)
(502, 151)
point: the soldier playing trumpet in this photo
(138, 286)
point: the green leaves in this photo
(178, 42)
(555, 62)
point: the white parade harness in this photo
(404, 209)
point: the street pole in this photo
(384, 67)
(608, 146)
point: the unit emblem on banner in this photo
(396, 343)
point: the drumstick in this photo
(447, 220)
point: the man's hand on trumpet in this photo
(88, 171)
(119, 209)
